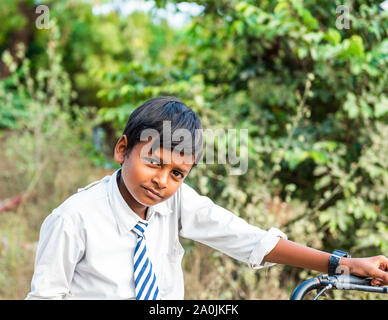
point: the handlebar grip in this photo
(349, 282)
(345, 281)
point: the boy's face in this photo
(149, 178)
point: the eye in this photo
(177, 173)
(151, 161)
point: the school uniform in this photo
(86, 245)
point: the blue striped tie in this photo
(145, 280)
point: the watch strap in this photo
(335, 260)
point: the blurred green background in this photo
(307, 80)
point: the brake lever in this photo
(323, 291)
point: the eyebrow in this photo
(159, 160)
(180, 169)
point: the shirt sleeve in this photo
(60, 247)
(204, 221)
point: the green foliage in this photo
(11, 19)
(48, 128)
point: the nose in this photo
(161, 179)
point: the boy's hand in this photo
(374, 267)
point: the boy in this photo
(118, 238)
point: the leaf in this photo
(319, 157)
(302, 52)
(381, 108)
(125, 89)
(309, 20)
(281, 6)
(355, 46)
(295, 157)
(102, 93)
(369, 213)
(366, 110)
(327, 145)
(350, 106)
(241, 6)
(344, 221)
(323, 182)
(111, 95)
(333, 36)
(238, 27)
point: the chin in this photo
(145, 201)
(149, 202)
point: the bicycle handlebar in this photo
(340, 282)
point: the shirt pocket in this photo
(171, 285)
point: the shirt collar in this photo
(126, 218)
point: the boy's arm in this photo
(294, 254)
(200, 219)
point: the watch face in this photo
(341, 253)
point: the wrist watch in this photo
(335, 260)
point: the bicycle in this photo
(324, 282)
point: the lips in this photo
(153, 192)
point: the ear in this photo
(120, 149)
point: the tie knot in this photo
(139, 228)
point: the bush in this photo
(48, 155)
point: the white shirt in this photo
(86, 245)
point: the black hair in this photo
(154, 112)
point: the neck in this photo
(138, 208)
